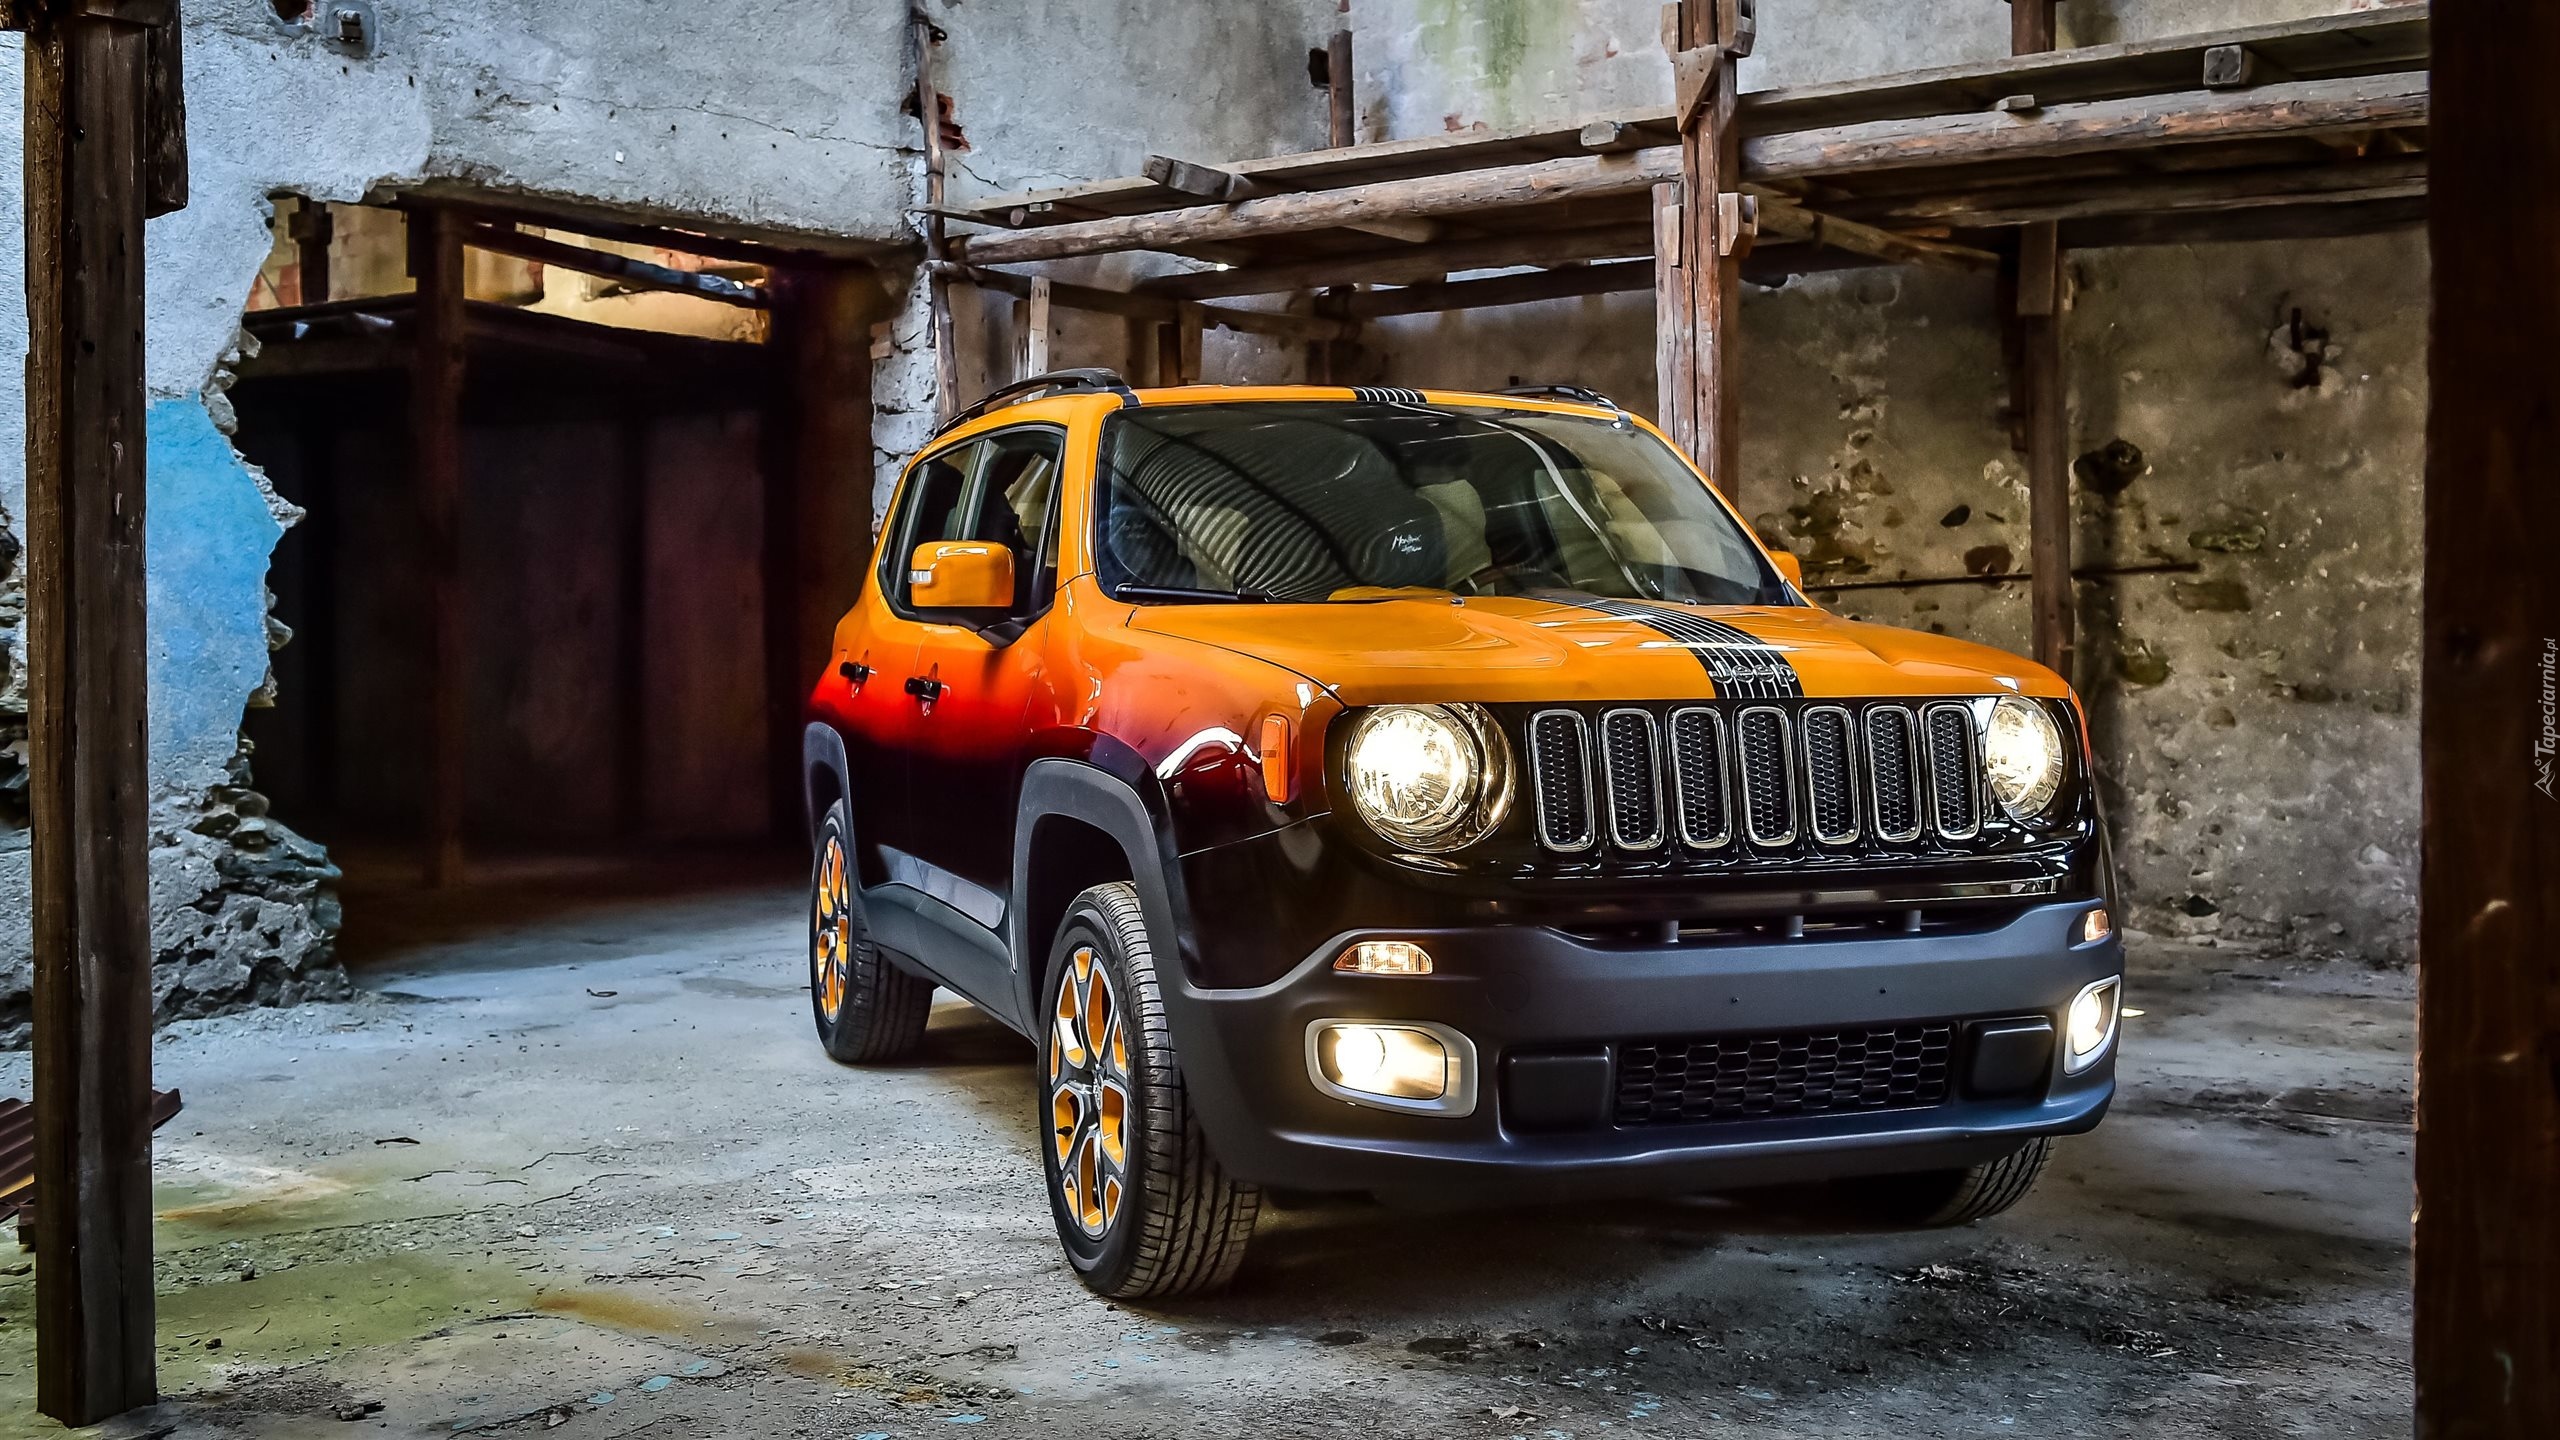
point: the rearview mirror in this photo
(1790, 569)
(960, 575)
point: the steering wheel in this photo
(1501, 579)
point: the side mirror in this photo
(1790, 569)
(961, 575)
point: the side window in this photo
(929, 509)
(1020, 508)
(1002, 488)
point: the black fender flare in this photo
(822, 750)
(1092, 792)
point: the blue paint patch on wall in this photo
(207, 534)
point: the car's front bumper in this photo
(1522, 993)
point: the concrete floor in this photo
(583, 1167)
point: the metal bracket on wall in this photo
(347, 23)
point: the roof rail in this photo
(1564, 392)
(1038, 387)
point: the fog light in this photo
(1409, 1065)
(1384, 957)
(2090, 1025)
(2095, 926)
(1385, 1060)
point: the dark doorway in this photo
(613, 543)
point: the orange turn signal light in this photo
(1277, 782)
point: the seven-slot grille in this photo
(1703, 777)
(1749, 1077)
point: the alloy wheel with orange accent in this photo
(1142, 1207)
(1089, 1095)
(867, 1009)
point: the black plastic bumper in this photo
(1521, 994)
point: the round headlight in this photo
(1428, 777)
(2022, 757)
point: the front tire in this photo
(1940, 1198)
(869, 1012)
(1141, 1206)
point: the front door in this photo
(970, 680)
(980, 669)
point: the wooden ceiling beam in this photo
(638, 274)
(1564, 283)
(1410, 266)
(1426, 197)
(2301, 110)
(2252, 188)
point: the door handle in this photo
(855, 671)
(925, 689)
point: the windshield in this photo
(1327, 500)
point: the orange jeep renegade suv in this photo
(1437, 795)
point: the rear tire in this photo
(1142, 1208)
(1940, 1198)
(869, 1012)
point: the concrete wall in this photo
(1058, 92)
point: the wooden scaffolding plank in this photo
(1515, 197)
(1410, 264)
(2323, 47)
(2302, 109)
(2389, 177)
(1563, 283)
(1545, 182)
(1337, 168)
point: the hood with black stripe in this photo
(1582, 648)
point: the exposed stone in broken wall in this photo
(246, 909)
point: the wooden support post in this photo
(2042, 399)
(1189, 333)
(1674, 348)
(1138, 339)
(2043, 413)
(1342, 118)
(1335, 361)
(937, 243)
(817, 499)
(312, 228)
(632, 707)
(97, 154)
(1031, 326)
(2487, 1325)
(1712, 36)
(435, 448)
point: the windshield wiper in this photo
(1181, 594)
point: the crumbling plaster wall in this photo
(786, 119)
(1427, 66)
(2255, 410)
(1050, 93)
